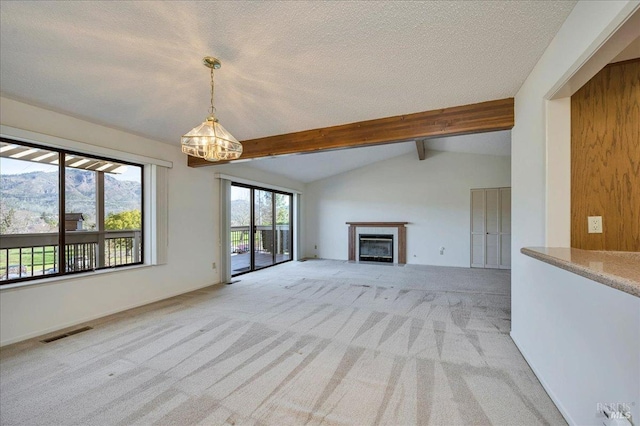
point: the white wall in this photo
(558, 165)
(244, 171)
(532, 287)
(193, 228)
(587, 340)
(433, 195)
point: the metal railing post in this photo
(136, 246)
(100, 248)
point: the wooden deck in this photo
(242, 262)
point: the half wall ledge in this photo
(616, 269)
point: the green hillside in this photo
(33, 197)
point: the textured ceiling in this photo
(310, 167)
(286, 66)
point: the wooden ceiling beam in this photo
(422, 152)
(474, 118)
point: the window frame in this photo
(61, 244)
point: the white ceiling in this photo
(631, 52)
(493, 143)
(286, 66)
(310, 167)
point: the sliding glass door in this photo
(283, 239)
(240, 230)
(260, 228)
(263, 253)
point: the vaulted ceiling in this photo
(286, 66)
(311, 167)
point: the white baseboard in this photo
(97, 316)
(546, 387)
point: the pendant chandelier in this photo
(210, 140)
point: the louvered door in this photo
(491, 228)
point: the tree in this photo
(50, 220)
(282, 209)
(6, 219)
(263, 208)
(131, 219)
(240, 213)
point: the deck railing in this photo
(26, 255)
(263, 239)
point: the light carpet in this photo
(316, 342)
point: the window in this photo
(64, 212)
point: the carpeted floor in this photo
(316, 342)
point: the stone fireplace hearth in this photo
(396, 232)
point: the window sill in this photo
(57, 279)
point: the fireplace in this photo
(398, 236)
(376, 247)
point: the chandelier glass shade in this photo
(210, 140)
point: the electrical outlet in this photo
(315, 247)
(595, 224)
(441, 250)
(213, 265)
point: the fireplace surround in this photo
(397, 229)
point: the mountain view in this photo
(29, 201)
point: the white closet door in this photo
(477, 228)
(492, 203)
(505, 228)
(491, 228)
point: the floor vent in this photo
(302, 260)
(67, 334)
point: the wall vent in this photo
(67, 334)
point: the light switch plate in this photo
(595, 224)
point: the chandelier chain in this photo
(211, 108)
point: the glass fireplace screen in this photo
(376, 248)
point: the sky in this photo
(239, 193)
(9, 166)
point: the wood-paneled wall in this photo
(605, 159)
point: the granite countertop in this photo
(617, 269)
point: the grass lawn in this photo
(78, 257)
(40, 259)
